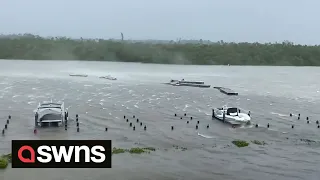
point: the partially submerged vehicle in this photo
(50, 114)
(108, 77)
(231, 115)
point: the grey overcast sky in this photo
(229, 20)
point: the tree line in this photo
(32, 47)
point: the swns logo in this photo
(61, 153)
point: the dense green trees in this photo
(34, 47)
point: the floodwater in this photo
(270, 93)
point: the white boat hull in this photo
(234, 119)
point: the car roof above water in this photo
(50, 105)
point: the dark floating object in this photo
(191, 118)
(106, 129)
(9, 117)
(35, 131)
(317, 122)
(145, 128)
(290, 115)
(3, 131)
(140, 123)
(185, 114)
(7, 121)
(124, 117)
(134, 128)
(208, 126)
(77, 124)
(308, 122)
(196, 126)
(180, 117)
(77, 115)
(307, 118)
(171, 127)
(257, 125)
(65, 116)
(127, 120)
(226, 91)
(292, 126)
(249, 113)
(130, 124)
(78, 129)
(6, 126)
(137, 120)
(134, 116)
(187, 122)
(175, 114)
(268, 125)
(198, 122)
(318, 126)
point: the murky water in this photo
(270, 93)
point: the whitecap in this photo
(205, 136)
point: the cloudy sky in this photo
(229, 20)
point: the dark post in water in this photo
(224, 116)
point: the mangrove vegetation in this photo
(240, 143)
(32, 47)
(5, 160)
(135, 150)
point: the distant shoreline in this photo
(32, 47)
(155, 63)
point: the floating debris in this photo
(108, 77)
(136, 150)
(180, 148)
(259, 142)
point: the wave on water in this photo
(102, 105)
(279, 114)
(205, 136)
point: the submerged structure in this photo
(79, 75)
(188, 83)
(226, 91)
